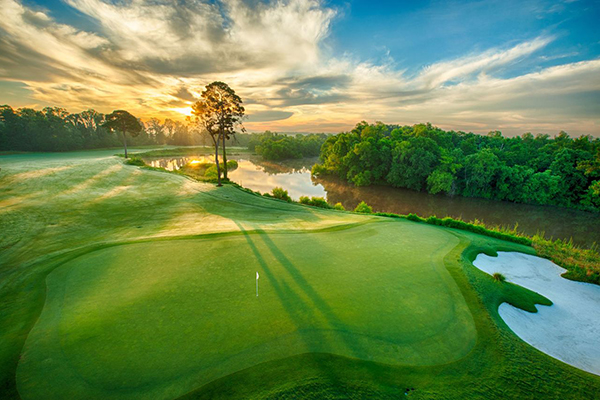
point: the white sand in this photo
(569, 330)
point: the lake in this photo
(295, 177)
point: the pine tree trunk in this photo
(124, 143)
(224, 159)
(217, 160)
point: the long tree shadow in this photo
(335, 323)
(297, 309)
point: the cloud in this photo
(444, 72)
(190, 38)
(271, 115)
(153, 57)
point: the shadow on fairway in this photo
(334, 322)
(291, 300)
(285, 293)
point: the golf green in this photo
(157, 319)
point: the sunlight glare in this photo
(187, 111)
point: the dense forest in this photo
(528, 169)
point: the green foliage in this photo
(315, 201)
(281, 194)
(413, 160)
(338, 206)
(135, 160)
(498, 277)
(123, 122)
(219, 112)
(440, 181)
(55, 129)
(276, 147)
(232, 165)
(211, 172)
(205, 171)
(528, 169)
(318, 169)
(363, 208)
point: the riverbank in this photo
(549, 222)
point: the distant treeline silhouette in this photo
(55, 129)
(528, 169)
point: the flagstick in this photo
(257, 284)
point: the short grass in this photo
(122, 282)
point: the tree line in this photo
(55, 129)
(538, 169)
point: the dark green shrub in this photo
(232, 165)
(314, 201)
(433, 220)
(339, 206)
(498, 277)
(135, 160)
(414, 217)
(211, 172)
(319, 202)
(390, 215)
(318, 169)
(281, 194)
(363, 208)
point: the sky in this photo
(313, 65)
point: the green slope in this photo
(155, 319)
(119, 282)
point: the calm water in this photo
(294, 176)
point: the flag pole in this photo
(256, 283)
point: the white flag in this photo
(256, 274)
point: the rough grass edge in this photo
(582, 265)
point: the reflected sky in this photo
(264, 178)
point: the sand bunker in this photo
(569, 330)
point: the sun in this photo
(187, 111)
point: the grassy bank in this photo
(581, 264)
(126, 282)
(192, 151)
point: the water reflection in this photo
(263, 176)
(295, 177)
(175, 163)
(554, 222)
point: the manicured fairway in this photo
(121, 282)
